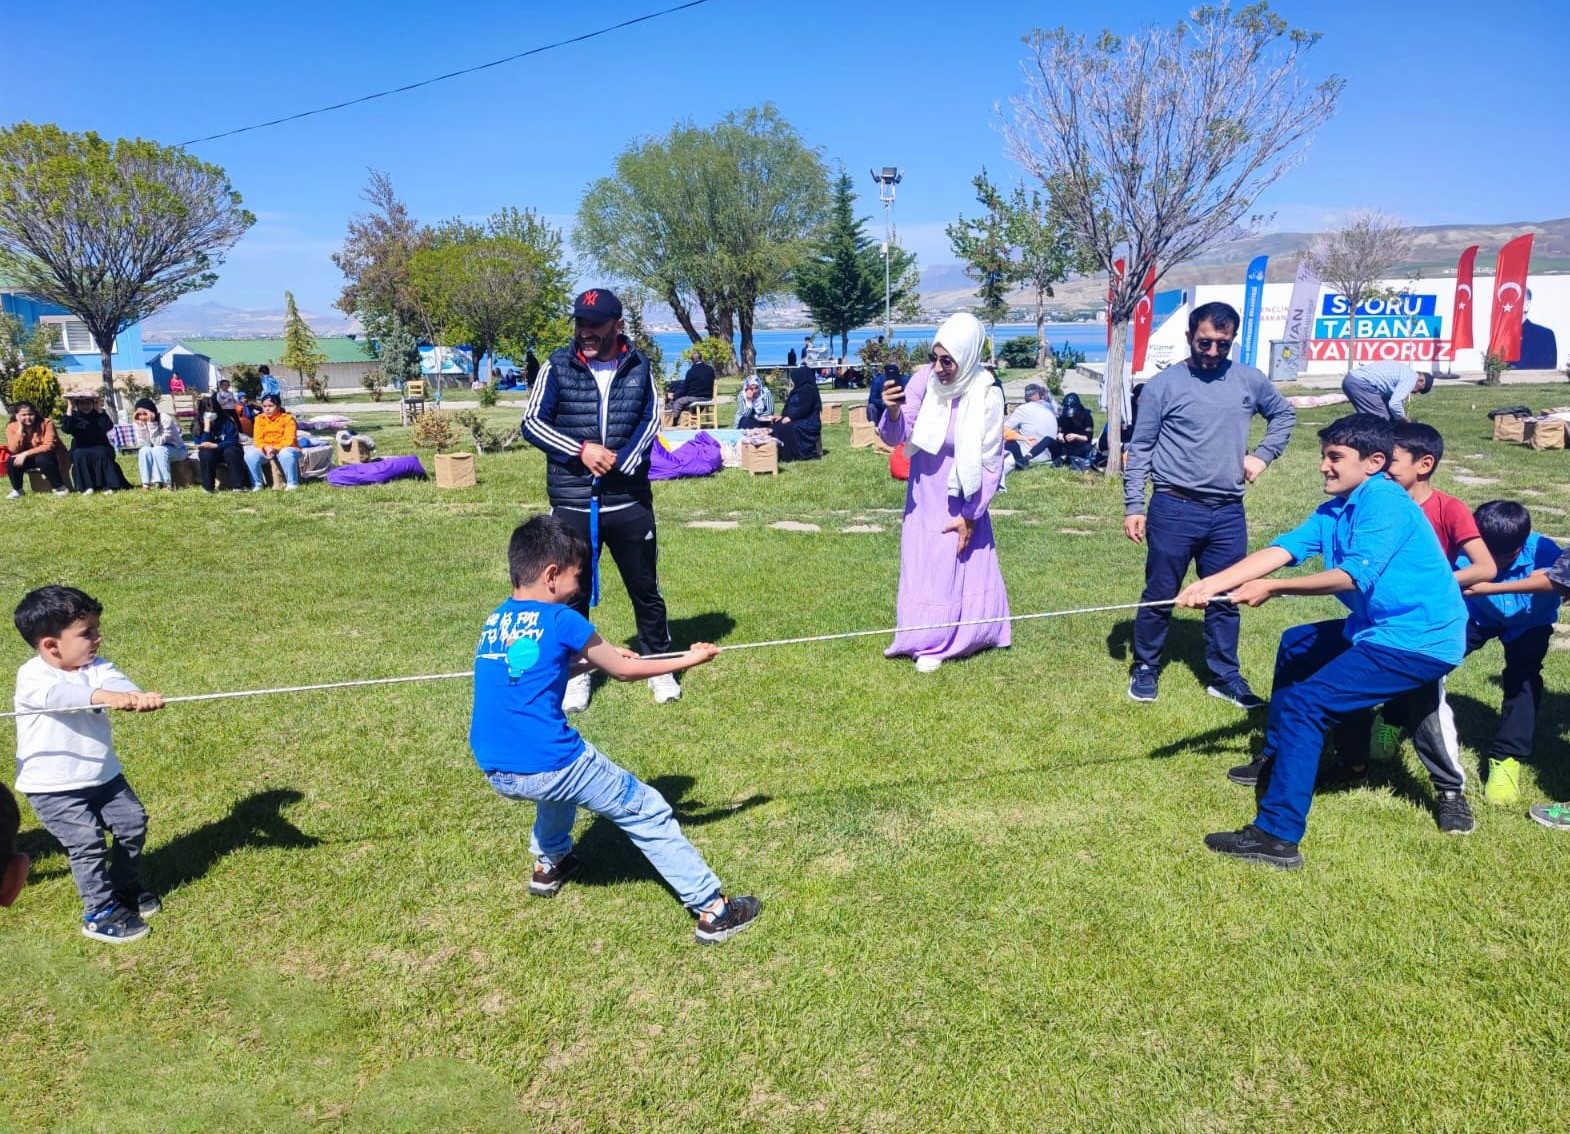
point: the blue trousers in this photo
(1321, 678)
(1179, 532)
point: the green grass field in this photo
(987, 905)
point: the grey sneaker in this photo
(1142, 683)
(1554, 816)
(115, 924)
(738, 914)
(1453, 813)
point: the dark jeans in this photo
(1366, 397)
(1061, 451)
(1179, 532)
(233, 458)
(1321, 679)
(79, 819)
(1426, 714)
(630, 535)
(46, 463)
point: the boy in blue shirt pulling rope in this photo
(1406, 624)
(520, 737)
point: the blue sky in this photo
(1418, 131)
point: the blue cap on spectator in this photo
(597, 305)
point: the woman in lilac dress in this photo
(950, 420)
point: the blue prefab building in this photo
(71, 341)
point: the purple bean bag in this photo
(699, 457)
(378, 471)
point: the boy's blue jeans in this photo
(593, 782)
(1321, 677)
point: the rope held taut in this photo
(647, 657)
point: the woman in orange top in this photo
(34, 445)
(275, 436)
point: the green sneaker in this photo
(1386, 740)
(1554, 816)
(1504, 781)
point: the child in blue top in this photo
(529, 648)
(1518, 607)
(1406, 625)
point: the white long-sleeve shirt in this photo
(65, 751)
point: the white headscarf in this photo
(962, 336)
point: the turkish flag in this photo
(1461, 320)
(1142, 313)
(1504, 328)
(1114, 279)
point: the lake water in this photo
(772, 346)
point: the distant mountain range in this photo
(945, 287)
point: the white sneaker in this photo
(290, 487)
(257, 487)
(62, 492)
(16, 494)
(87, 492)
(1009, 464)
(928, 664)
(666, 689)
(576, 698)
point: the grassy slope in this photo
(987, 903)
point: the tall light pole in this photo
(887, 178)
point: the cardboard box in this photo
(760, 458)
(455, 470)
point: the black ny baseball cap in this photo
(597, 305)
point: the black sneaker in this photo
(1238, 693)
(144, 902)
(1253, 845)
(1247, 774)
(1142, 683)
(548, 879)
(738, 914)
(115, 924)
(1453, 813)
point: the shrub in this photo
(484, 436)
(432, 430)
(716, 352)
(1493, 366)
(488, 394)
(317, 384)
(246, 379)
(907, 356)
(374, 382)
(132, 390)
(39, 385)
(1020, 352)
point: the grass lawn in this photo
(987, 905)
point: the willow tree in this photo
(1161, 142)
(715, 217)
(113, 232)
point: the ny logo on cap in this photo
(591, 299)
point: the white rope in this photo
(647, 657)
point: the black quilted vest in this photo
(578, 416)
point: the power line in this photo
(451, 74)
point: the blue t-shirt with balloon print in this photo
(520, 676)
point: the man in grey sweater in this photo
(1191, 443)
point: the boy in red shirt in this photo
(1417, 452)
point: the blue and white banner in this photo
(1300, 309)
(1253, 306)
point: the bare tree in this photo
(111, 231)
(1354, 257)
(1163, 141)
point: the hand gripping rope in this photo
(647, 657)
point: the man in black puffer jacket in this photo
(594, 413)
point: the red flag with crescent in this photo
(1461, 320)
(1142, 319)
(1114, 279)
(1504, 327)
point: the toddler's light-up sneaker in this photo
(115, 924)
(665, 688)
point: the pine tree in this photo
(841, 284)
(300, 352)
(984, 245)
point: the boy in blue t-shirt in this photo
(1406, 625)
(528, 649)
(1519, 608)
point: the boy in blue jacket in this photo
(1406, 626)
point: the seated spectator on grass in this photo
(93, 464)
(800, 427)
(754, 405)
(277, 438)
(697, 386)
(1036, 422)
(35, 446)
(158, 441)
(218, 439)
(1075, 429)
(13, 863)
(1127, 432)
(224, 396)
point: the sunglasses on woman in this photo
(943, 360)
